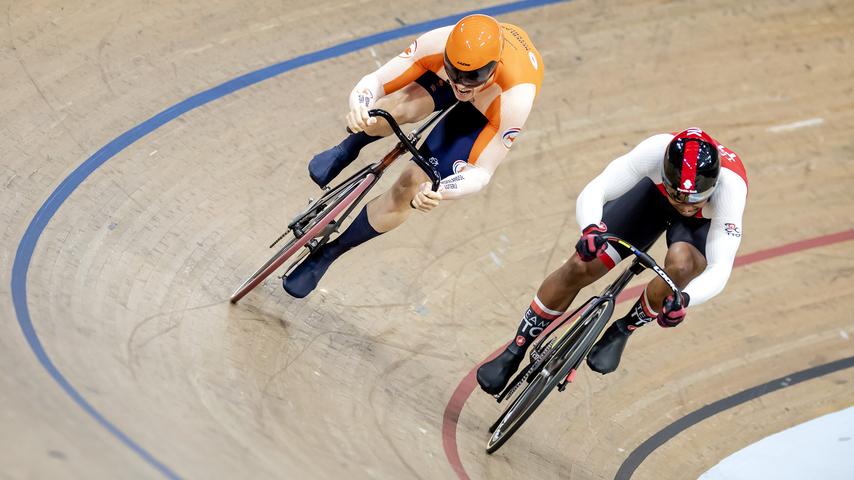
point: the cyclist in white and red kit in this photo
(686, 185)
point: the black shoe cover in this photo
(304, 278)
(494, 375)
(325, 166)
(605, 355)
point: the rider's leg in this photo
(553, 298)
(635, 216)
(683, 263)
(451, 141)
(390, 209)
(409, 104)
(383, 213)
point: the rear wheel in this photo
(567, 355)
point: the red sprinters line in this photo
(468, 384)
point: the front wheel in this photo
(521, 409)
(567, 354)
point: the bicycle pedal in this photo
(304, 253)
(312, 244)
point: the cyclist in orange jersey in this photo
(492, 69)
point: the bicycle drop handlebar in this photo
(428, 166)
(648, 262)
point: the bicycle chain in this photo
(538, 357)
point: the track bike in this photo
(313, 227)
(554, 360)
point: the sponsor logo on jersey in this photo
(520, 340)
(726, 153)
(518, 37)
(410, 50)
(460, 165)
(732, 229)
(510, 136)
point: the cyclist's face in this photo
(686, 209)
(463, 93)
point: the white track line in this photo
(794, 126)
(646, 402)
(376, 58)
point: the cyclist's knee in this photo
(407, 184)
(683, 263)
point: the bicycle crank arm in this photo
(569, 378)
(304, 253)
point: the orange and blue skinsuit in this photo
(472, 140)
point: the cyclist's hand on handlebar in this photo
(361, 100)
(670, 316)
(358, 119)
(426, 199)
(591, 244)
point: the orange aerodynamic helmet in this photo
(473, 50)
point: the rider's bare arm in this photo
(619, 177)
(725, 209)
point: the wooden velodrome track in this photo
(122, 358)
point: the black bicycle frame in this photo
(641, 262)
(406, 143)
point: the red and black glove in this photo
(591, 244)
(670, 316)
